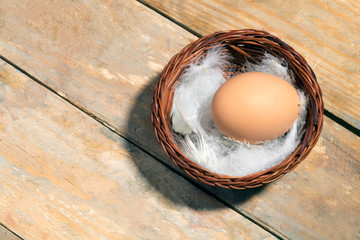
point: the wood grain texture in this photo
(325, 32)
(105, 58)
(320, 198)
(65, 176)
(5, 234)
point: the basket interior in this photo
(242, 45)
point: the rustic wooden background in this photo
(78, 157)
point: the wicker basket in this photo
(243, 45)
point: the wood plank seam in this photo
(245, 214)
(14, 235)
(192, 31)
(342, 122)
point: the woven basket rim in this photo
(248, 43)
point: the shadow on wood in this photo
(159, 178)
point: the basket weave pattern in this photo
(243, 45)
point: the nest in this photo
(242, 45)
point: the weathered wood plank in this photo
(65, 176)
(325, 32)
(5, 234)
(102, 60)
(99, 62)
(320, 198)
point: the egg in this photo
(255, 107)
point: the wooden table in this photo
(78, 157)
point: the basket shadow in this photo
(161, 174)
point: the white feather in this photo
(195, 90)
(202, 142)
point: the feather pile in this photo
(196, 134)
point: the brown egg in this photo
(255, 107)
